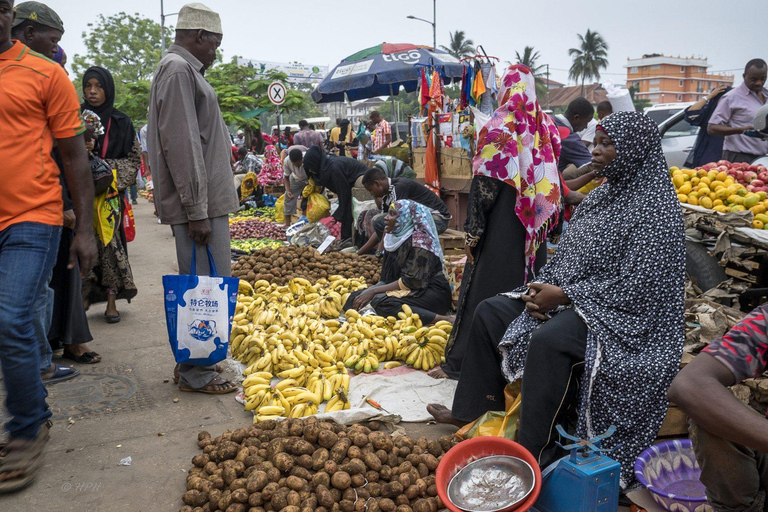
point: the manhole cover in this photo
(99, 391)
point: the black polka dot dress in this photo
(621, 261)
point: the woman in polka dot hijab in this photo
(621, 262)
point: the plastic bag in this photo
(198, 314)
(318, 207)
(310, 234)
(497, 423)
(280, 209)
(619, 97)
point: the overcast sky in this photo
(324, 32)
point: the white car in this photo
(677, 139)
(663, 111)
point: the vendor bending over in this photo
(601, 325)
(412, 271)
(388, 190)
(730, 439)
(339, 174)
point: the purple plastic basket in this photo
(670, 472)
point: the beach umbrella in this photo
(382, 70)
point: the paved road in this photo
(123, 408)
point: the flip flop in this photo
(61, 374)
(84, 358)
(183, 386)
(112, 319)
(218, 368)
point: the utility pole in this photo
(547, 86)
(162, 27)
(434, 24)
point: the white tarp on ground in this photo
(403, 392)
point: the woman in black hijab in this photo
(339, 174)
(119, 146)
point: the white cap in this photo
(196, 16)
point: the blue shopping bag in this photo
(198, 314)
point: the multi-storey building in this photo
(663, 79)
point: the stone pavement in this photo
(122, 407)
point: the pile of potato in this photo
(282, 264)
(308, 465)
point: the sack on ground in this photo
(198, 314)
(318, 207)
(280, 209)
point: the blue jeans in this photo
(43, 316)
(28, 252)
(133, 192)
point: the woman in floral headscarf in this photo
(514, 202)
(272, 171)
(412, 270)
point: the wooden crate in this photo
(452, 239)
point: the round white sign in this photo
(277, 92)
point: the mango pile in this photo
(717, 190)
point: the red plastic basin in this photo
(477, 448)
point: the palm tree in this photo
(459, 47)
(530, 58)
(589, 58)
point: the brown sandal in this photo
(26, 459)
(218, 368)
(183, 386)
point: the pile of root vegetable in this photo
(282, 264)
(256, 228)
(308, 465)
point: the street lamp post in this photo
(433, 23)
(162, 27)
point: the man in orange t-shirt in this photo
(37, 104)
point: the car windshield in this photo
(659, 116)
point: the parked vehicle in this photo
(663, 111)
(677, 139)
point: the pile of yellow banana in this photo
(291, 332)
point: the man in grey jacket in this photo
(189, 152)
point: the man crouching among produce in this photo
(730, 440)
(412, 272)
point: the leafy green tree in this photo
(242, 88)
(530, 59)
(129, 47)
(459, 47)
(589, 58)
(640, 103)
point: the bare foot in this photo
(443, 318)
(443, 415)
(437, 373)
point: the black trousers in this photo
(435, 300)
(553, 366)
(499, 268)
(737, 157)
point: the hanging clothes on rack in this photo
(424, 92)
(478, 84)
(488, 73)
(431, 173)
